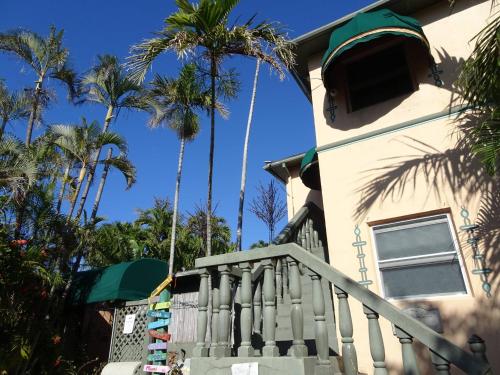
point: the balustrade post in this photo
(323, 364)
(279, 281)
(215, 317)
(223, 349)
(270, 349)
(441, 365)
(409, 360)
(257, 307)
(298, 348)
(377, 349)
(285, 277)
(478, 348)
(245, 349)
(200, 350)
(349, 356)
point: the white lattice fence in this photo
(132, 346)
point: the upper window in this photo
(378, 77)
(419, 258)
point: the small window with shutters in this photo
(419, 258)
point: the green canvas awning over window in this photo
(366, 27)
(129, 281)
(309, 170)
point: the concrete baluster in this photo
(377, 349)
(279, 281)
(284, 265)
(409, 360)
(200, 350)
(441, 365)
(245, 349)
(349, 356)
(257, 307)
(215, 317)
(298, 348)
(269, 291)
(323, 364)
(223, 349)
(478, 348)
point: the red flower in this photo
(58, 361)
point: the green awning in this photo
(365, 27)
(129, 281)
(309, 170)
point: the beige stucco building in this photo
(401, 199)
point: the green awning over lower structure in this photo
(309, 170)
(129, 281)
(365, 27)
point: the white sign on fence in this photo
(128, 325)
(251, 368)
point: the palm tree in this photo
(81, 142)
(204, 27)
(13, 106)
(174, 102)
(239, 227)
(479, 86)
(48, 59)
(107, 84)
(122, 164)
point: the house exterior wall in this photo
(347, 171)
(298, 194)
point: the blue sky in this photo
(282, 125)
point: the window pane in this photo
(419, 240)
(438, 278)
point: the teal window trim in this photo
(456, 110)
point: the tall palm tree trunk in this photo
(100, 189)
(176, 204)
(244, 166)
(83, 172)
(33, 114)
(90, 177)
(63, 187)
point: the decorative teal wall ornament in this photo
(435, 74)
(331, 105)
(361, 257)
(479, 261)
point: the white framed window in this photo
(419, 258)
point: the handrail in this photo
(434, 341)
(294, 223)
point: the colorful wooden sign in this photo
(156, 368)
(157, 346)
(159, 323)
(158, 314)
(160, 306)
(157, 357)
(159, 335)
(162, 286)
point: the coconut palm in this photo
(203, 29)
(13, 106)
(174, 102)
(81, 142)
(479, 86)
(107, 84)
(48, 59)
(239, 227)
(122, 164)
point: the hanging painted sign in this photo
(128, 325)
(162, 286)
(159, 323)
(157, 357)
(158, 314)
(160, 306)
(159, 335)
(157, 346)
(156, 368)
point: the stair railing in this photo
(263, 263)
